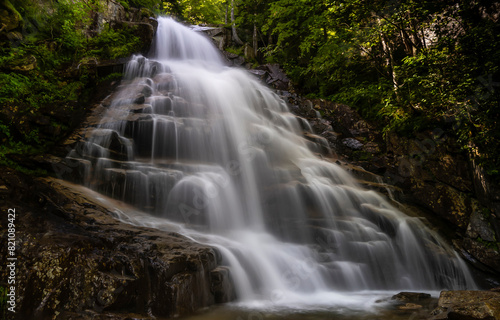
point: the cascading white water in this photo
(193, 141)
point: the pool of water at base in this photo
(358, 306)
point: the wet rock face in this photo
(274, 76)
(75, 259)
(440, 178)
(222, 287)
(470, 305)
(484, 251)
(446, 201)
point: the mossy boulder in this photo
(23, 64)
(10, 19)
(10, 23)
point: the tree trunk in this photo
(390, 63)
(233, 26)
(227, 8)
(255, 41)
(389, 60)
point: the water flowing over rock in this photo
(76, 261)
(191, 140)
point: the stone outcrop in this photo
(113, 11)
(470, 305)
(438, 177)
(219, 36)
(75, 260)
(274, 77)
(139, 22)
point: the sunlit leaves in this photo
(408, 63)
(203, 11)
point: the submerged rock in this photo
(411, 296)
(411, 306)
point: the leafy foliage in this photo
(113, 44)
(39, 78)
(196, 11)
(202, 11)
(409, 65)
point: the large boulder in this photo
(276, 78)
(75, 260)
(10, 19)
(468, 305)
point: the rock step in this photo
(146, 190)
(97, 262)
(147, 164)
(161, 105)
(321, 145)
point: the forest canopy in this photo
(410, 65)
(407, 65)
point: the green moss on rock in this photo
(10, 19)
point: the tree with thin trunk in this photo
(233, 26)
(255, 43)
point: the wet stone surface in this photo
(77, 261)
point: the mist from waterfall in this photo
(190, 140)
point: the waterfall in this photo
(189, 140)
